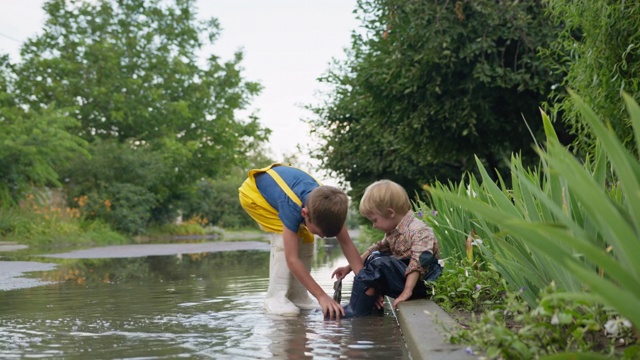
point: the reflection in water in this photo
(193, 306)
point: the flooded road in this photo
(205, 301)
(11, 274)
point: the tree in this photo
(598, 51)
(428, 84)
(130, 69)
(32, 144)
(216, 201)
(118, 184)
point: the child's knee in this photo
(370, 291)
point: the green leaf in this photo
(626, 166)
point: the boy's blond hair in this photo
(327, 207)
(383, 195)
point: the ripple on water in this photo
(175, 308)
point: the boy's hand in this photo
(405, 295)
(330, 308)
(341, 272)
(380, 302)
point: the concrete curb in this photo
(421, 322)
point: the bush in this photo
(555, 325)
(216, 203)
(466, 287)
(118, 185)
(41, 225)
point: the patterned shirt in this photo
(409, 239)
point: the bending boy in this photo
(288, 201)
(402, 261)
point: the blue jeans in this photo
(386, 274)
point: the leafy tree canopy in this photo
(131, 71)
(33, 144)
(129, 75)
(428, 84)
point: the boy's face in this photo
(385, 222)
(313, 228)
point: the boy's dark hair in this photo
(327, 207)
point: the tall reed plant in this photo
(450, 222)
(464, 236)
(576, 223)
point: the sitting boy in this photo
(401, 262)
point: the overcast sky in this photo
(287, 45)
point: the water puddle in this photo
(196, 304)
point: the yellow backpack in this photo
(260, 210)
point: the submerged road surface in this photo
(140, 250)
(12, 272)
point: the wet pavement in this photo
(141, 250)
(12, 272)
(6, 246)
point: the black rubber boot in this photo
(360, 303)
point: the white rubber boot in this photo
(298, 294)
(276, 301)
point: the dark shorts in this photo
(386, 274)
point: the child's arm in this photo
(410, 283)
(422, 247)
(330, 308)
(350, 251)
(343, 271)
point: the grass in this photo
(51, 227)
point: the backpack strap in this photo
(304, 233)
(284, 187)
